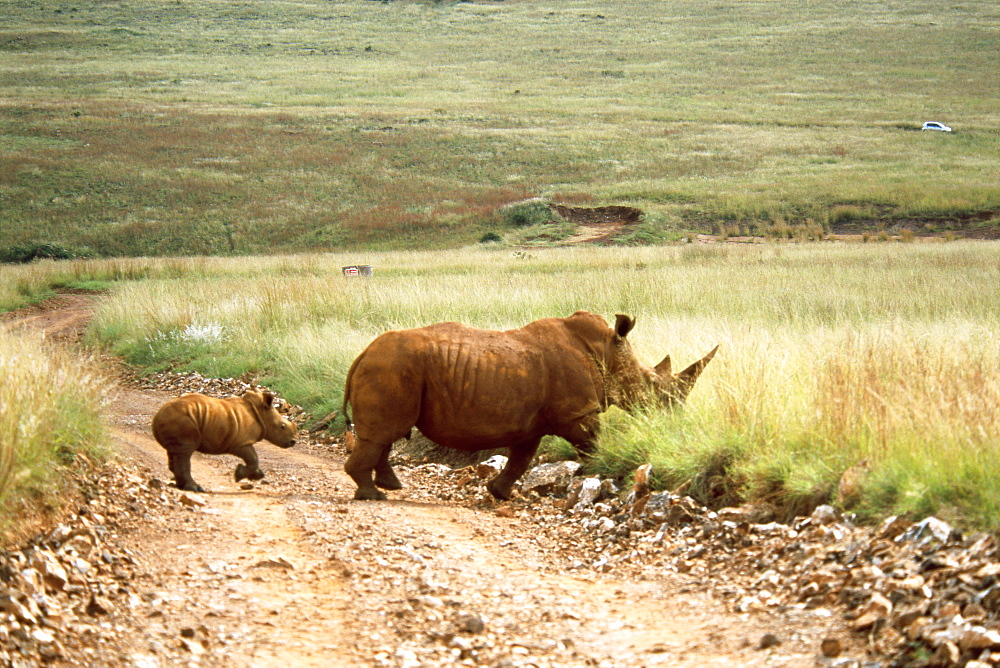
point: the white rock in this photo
(590, 489)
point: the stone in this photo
(605, 524)
(824, 515)
(831, 647)
(659, 502)
(978, 638)
(31, 582)
(193, 500)
(491, 466)
(275, 562)
(930, 531)
(193, 646)
(947, 654)
(53, 573)
(768, 640)
(99, 605)
(865, 621)
(893, 527)
(42, 636)
(80, 545)
(550, 478)
(878, 605)
(470, 623)
(589, 491)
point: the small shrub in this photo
(23, 254)
(527, 213)
(846, 214)
(490, 237)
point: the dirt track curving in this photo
(293, 572)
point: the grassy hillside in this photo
(143, 127)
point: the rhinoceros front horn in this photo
(682, 383)
(695, 369)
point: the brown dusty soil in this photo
(292, 572)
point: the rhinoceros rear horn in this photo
(623, 324)
(663, 368)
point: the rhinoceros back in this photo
(208, 424)
(467, 388)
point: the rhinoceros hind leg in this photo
(363, 460)
(385, 477)
(517, 463)
(372, 495)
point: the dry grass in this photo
(51, 405)
(830, 354)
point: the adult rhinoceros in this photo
(473, 389)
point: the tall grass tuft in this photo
(50, 415)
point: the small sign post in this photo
(357, 270)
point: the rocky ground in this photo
(574, 571)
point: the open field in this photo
(883, 356)
(156, 128)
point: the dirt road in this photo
(292, 572)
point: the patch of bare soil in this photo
(292, 571)
(597, 224)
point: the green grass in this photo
(150, 128)
(831, 354)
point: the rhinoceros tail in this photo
(348, 423)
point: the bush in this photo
(526, 214)
(490, 237)
(31, 252)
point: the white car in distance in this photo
(934, 125)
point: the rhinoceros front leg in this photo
(517, 463)
(583, 434)
(251, 467)
(180, 466)
(361, 462)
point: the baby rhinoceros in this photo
(197, 423)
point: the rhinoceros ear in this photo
(623, 324)
(268, 399)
